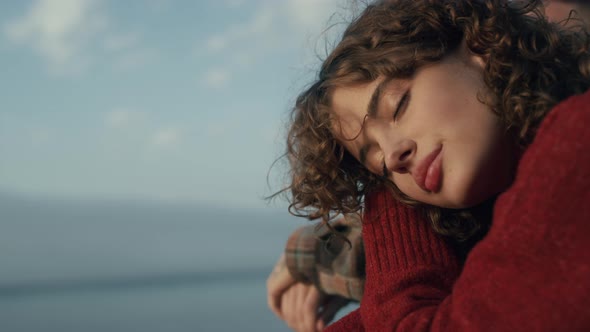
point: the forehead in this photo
(349, 108)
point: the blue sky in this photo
(153, 99)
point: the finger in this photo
(293, 307)
(274, 302)
(277, 283)
(320, 325)
(300, 307)
(309, 309)
(329, 310)
(290, 307)
(285, 313)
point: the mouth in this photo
(428, 173)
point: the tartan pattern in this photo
(314, 254)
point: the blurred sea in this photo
(76, 265)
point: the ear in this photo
(479, 60)
(471, 59)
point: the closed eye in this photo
(401, 105)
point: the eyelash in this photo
(401, 106)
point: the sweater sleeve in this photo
(530, 273)
(410, 269)
(399, 242)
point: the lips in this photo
(428, 173)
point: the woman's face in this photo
(429, 134)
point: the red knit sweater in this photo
(530, 273)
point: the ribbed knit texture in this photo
(530, 273)
(406, 242)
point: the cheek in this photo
(405, 183)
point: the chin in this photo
(467, 203)
(468, 190)
(462, 199)
(455, 204)
(472, 199)
(458, 195)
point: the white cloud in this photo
(57, 29)
(217, 78)
(126, 51)
(71, 35)
(273, 21)
(139, 129)
(274, 27)
(243, 58)
(258, 28)
(135, 58)
(234, 4)
(216, 43)
(167, 137)
(122, 118)
(310, 14)
(121, 41)
(247, 40)
(261, 23)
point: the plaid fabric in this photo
(316, 255)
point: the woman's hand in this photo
(277, 283)
(302, 306)
(306, 309)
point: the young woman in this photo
(444, 106)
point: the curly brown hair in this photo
(531, 65)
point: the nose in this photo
(398, 155)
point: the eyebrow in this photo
(372, 109)
(376, 97)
